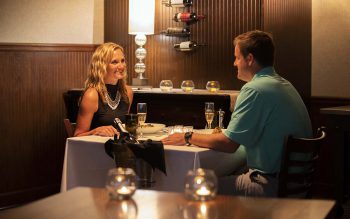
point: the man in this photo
(267, 110)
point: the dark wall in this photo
(289, 21)
(225, 19)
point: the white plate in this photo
(156, 127)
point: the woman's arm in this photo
(130, 94)
(88, 106)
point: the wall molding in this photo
(47, 47)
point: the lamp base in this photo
(140, 81)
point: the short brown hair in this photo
(259, 43)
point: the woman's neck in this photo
(112, 82)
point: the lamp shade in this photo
(141, 17)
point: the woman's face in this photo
(116, 68)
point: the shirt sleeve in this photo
(248, 118)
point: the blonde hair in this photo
(97, 70)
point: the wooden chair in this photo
(298, 165)
(70, 127)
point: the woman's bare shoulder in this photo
(90, 94)
(90, 99)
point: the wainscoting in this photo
(33, 78)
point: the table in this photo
(338, 124)
(85, 203)
(87, 164)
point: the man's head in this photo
(253, 50)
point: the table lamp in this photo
(141, 23)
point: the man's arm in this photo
(217, 141)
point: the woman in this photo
(106, 94)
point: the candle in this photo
(203, 191)
(124, 190)
(213, 89)
(187, 89)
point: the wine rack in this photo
(188, 18)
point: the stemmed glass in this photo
(209, 113)
(141, 113)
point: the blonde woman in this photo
(106, 94)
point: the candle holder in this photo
(213, 86)
(201, 185)
(187, 85)
(166, 85)
(121, 183)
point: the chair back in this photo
(299, 160)
(70, 127)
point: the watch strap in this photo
(188, 136)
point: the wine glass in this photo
(141, 113)
(209, 113)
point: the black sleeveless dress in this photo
(105, 115)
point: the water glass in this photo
(166, 85)
(121, 183)
(201, 184)
(213, 86)
(187, 85)
(187, 129)
(178, 129)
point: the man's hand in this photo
(175, 139)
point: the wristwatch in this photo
(188, 136)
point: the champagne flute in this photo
(141, 114)
(209, 113)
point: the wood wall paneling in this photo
(33, 79)
(290, 23)
(224, 20)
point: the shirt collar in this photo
(265, 71)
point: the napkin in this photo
(124, 151)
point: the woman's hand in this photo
(106, 131)
(174, 139)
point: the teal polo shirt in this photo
(267, 109)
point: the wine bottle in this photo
(186, 46)
(177, 3)
(188, 17)
(124, 135)
(177, 31)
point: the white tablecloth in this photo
(87, 164)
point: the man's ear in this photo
(250, 59)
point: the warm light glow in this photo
(124, 191)
(203, 191)
(141, 16)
